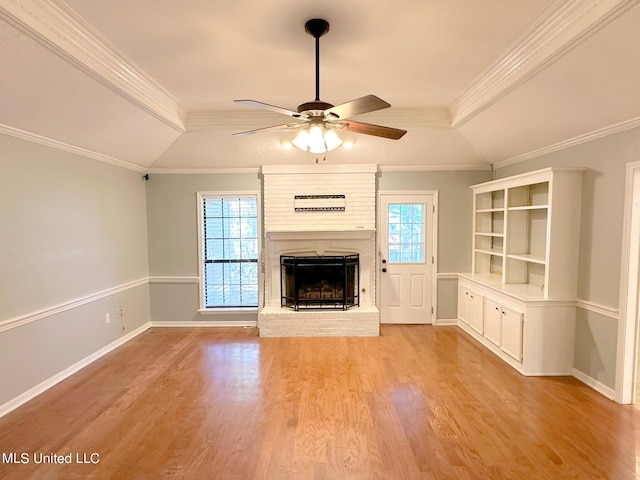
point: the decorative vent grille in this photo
(319, 203)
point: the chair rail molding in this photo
(47, 312)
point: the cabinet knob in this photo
(497, 309)
(384, 270)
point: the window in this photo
(406, 233)
(229, 237)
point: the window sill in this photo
(227, 311)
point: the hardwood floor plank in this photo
(418, 402)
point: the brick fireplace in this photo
(324, 212)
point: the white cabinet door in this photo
(511, 337)
(476, 311)
(463, 304)
(492, 320)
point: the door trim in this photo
(627, 347)
(434, 233)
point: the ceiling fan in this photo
(318, 120)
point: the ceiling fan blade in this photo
(366, 104)
(371, 129)
(273, 108)
(284, 126)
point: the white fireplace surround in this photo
(290, 232)
(364, 320)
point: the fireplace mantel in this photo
(293, 235)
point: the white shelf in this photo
(525, 257)
(490, 210)
(519, 291)
(490, 234)
(529, 207)
(493, 251)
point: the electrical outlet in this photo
(108, 317)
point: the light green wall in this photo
(454, 222)
(172, 226)
(600, 240)
(172, 218)
(77, 226)
(72, 228)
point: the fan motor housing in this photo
(316, 105)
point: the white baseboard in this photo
(200, 323)
(446, 321)
(593, 383)
(47, 384)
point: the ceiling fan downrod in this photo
(317, 27)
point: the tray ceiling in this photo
(151, 84)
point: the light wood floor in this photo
(419, 402)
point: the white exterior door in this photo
(406, 260)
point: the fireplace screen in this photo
(320, 282)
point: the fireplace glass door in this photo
(319, 282)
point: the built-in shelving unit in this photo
(519, 299)
(516, 236)
(489, 210)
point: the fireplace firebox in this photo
(320, 282)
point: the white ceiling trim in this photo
(232, 120)
(562, 28)
(65, 147)
(431, 168)
(253, 170)
(62, 30)
(202, 171)
(571, 142)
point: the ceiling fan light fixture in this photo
(332, 140)
(302, 140)
(317, 140)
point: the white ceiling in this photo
(150, 84)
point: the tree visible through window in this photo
(406, 233)
(230, 251)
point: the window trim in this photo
(200, 197)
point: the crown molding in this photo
(431, 168)
(202, 171)
(59, 28)
(557, 32)
(65, 147)
(200, 121)
(307, 168)
(572, 142)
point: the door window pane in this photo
(406, 233)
